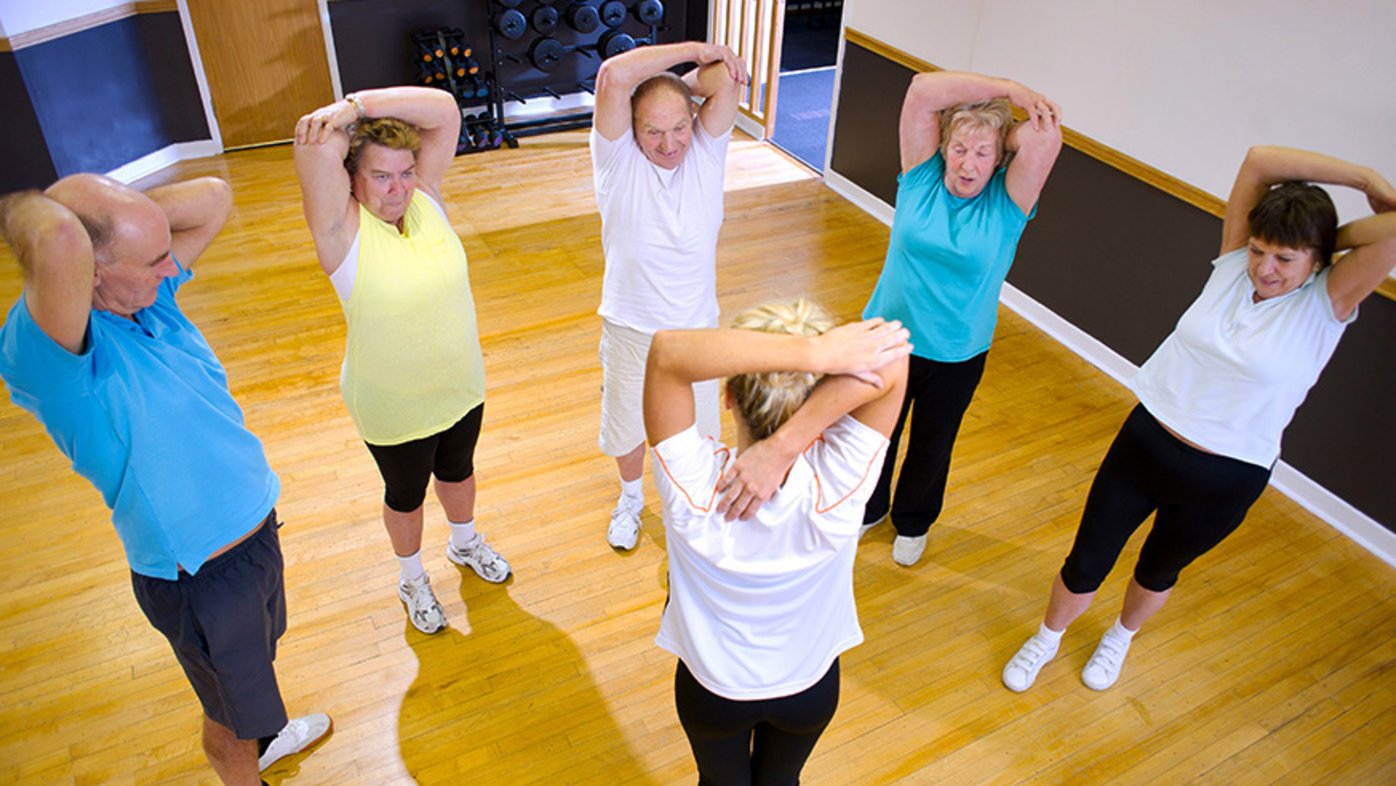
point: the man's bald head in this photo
(109, 210)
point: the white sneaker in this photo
(1104, 666)
(624, 529)
(1021, 671)
(866, 528)
(425, 614)
(297, 735)
(907, 551)
(477, 555)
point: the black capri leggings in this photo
(406, 468)
(763, 742)
(1200, 497)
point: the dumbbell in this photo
(649, 12)
(546, 53)
(583, 17)
(511, 24)
(614, 42)
(545, 19)
(613, 13)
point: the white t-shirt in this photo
(759, 609)
(659, 232)
(1233, 371)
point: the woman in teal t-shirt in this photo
(969, 183)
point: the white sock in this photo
(462, 534)
(1048, 635)
(1119, 631)
(412, 569)
(633, 490)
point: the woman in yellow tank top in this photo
(371, 168)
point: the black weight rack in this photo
(444, 60)
(553, 48)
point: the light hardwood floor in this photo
(1272, 664)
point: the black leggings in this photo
(406, 468)
(941, 392)
(762, 743)
(1200, 497)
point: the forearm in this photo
(834, 397)
(1269, 165)
(708, 80)
(426, 108)
(1370, 230)
(627, 70)
(937, 90)
(694, 355)
(193, 204)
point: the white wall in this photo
(21, 16)
(1185, 85)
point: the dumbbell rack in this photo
(530, 41)
(445, 61)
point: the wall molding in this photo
(78, 24)
(151, 163)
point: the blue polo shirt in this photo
(946, 262)
(145, 414)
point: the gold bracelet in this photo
(353, 99)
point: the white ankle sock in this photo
(633, 490)
(412, 569)
(1048, 635)
(462, 534)
(1119, 631)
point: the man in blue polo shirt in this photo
(97, 349)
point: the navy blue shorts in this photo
(223, 623)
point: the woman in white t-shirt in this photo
(760, 610)
(1216, 396)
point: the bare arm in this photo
(919, 127)
(196, 210)
(678, 358)
(619, 75)
(56, 256)
(1035, 148)
(720, 84)
(1372, 258)
(759, 470)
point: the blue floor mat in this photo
(802, 114)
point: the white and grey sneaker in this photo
(477, 555)
(1103, 669)
(624, 529)
(425, 614)
(1021, 671)
(297, 735)
(907, 551)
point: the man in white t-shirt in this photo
(658, 164)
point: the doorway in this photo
(808, 54)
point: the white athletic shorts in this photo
(623, 354)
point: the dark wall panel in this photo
(109, 95)
(373, 40)
(24, 156)
(1122, 260)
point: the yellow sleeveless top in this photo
(412, 360)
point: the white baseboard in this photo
(1356, 525)
(171, 154)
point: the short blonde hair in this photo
(991, 114)
(766, 401)
(389, 132)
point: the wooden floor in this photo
(1272, 664)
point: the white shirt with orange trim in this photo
(759, 609)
